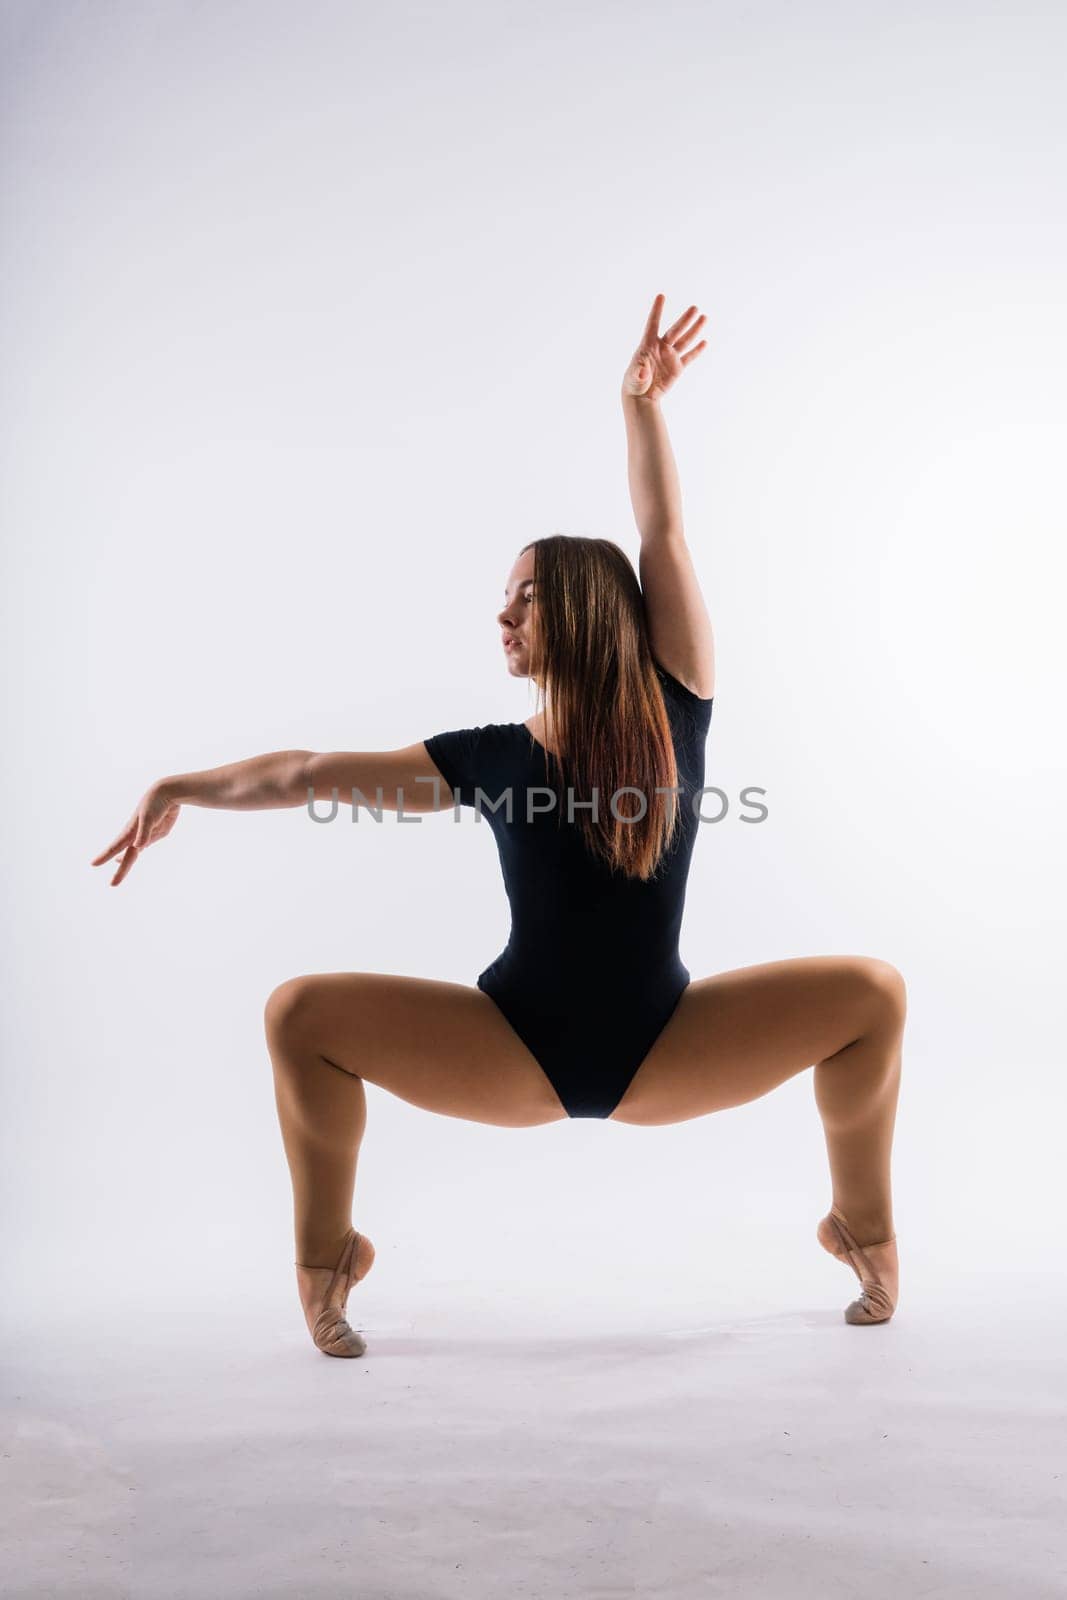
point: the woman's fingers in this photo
(154, 818)
(125, 864)
(652, 333)
(694, 353)
(690, 333)
(676, 327)
(652, 325)
(113, 849)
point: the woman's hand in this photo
(155, 816)
(658, 360)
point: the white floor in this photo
(486, 1446)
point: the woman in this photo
(593, 803)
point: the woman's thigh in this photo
(442, 1046)
(735, 1036)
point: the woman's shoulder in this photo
(483, 756)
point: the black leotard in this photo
(591, 971)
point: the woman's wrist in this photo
(171, 790)
(639, 402)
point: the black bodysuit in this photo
(591, 971)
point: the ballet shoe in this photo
(330, 1329)
(875, 1265)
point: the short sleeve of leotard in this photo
(699, 710)
(456, 756)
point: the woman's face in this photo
(515, 618)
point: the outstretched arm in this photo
(282, 778)
(678, 623)
(289, 777)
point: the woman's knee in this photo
(885, 993)
(288, 1009)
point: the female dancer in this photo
(594, 805)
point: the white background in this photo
(313, 315)
(312, 319)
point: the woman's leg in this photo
(442, 1046)
(323, 1113)
(736, 1036)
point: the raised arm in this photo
(678, 623)
(282, 778)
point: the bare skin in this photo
(446, 1048)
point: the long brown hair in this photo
(605, 714)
